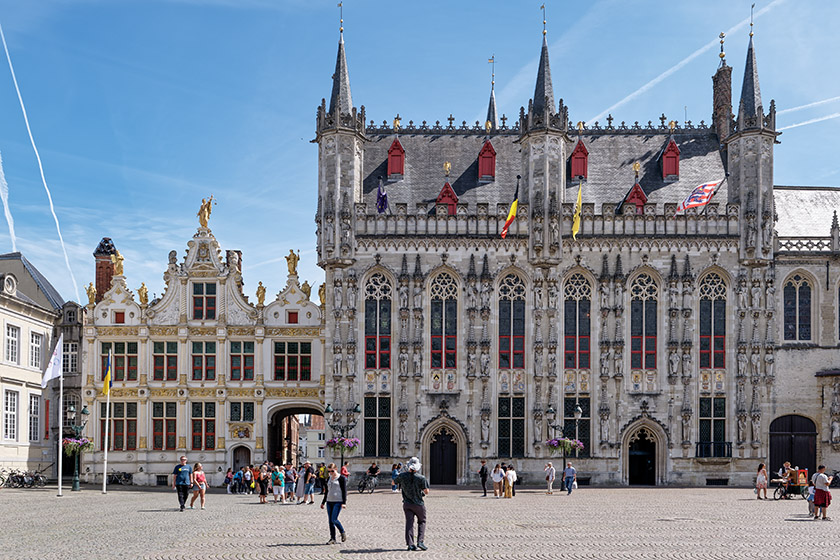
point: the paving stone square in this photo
(661, 523)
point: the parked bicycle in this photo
(835, 482)
(368, 484)
(122, 478)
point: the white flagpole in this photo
(60, 427)
(107, 423)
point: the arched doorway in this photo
(793, 438)
(241, 457)
(443, 455)
(641, 460)
(296, 434)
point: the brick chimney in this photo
(104, 266)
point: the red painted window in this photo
(396, 159)
(579, 162)
(204, 300)
(241, 360)
(123, 432)
(671, 160)
(293, 317)
(203, 425)
(487, 162)
(119, 317)
(643, 323)
(165, 356)
(638, 197)
(163, 425)
(204, 361)
(447, 196)
(292, 361)
(124, 367)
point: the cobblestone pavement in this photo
(697, 523)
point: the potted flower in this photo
(563, 445)
(343, 445)
(72, 446)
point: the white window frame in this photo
(70, 361)
(13, 344)
(36, 349)
(11, 400)
(34, 418)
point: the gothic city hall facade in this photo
(680, 347)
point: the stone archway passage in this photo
(641, 450)
(793, 438)
(443, 456)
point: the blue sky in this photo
(141, 108)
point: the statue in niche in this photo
(835, 430)
(605, 428)
(417, 361)
(674, 362)
(337, 359)
(328, 229)
(485, 427)
(767, 235)
(742, 428)
(619, 364)
(552, 295)
(555, 231)
(604, 290)
(552, 364)
(472, 295)
(351, 364)
(418, 295)
(755, 360)
(337, 296)
(755, 292)
(538, 358)
(673, 295)
(404, 296)
(751, 231)
(770, 296)
(485, 294)
(403, 436)
(769, 364)
(485, 363)
(471, 363)
(605, 363)
(345, 230)
(619, 295)
(403, 362)
(538, 295)
(756, 427)
(686, 427)
(351, 294)
(742, 293)
(742, 363)
(686, 359)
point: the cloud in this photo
(811, 121)
(808, 105)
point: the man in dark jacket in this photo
(414, 487)
(482, 473)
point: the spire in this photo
(543, 92)
(491, 111)
(340, 98)
(750, 105)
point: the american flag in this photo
(699, 196)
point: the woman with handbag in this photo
(335, 498)
(550, 474)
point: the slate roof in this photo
(611, 157)
(46, 289)
(805, 211)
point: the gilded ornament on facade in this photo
(301, 392)
(182, 442)
(201, 392)
(205, 210)
(259, 443)
(117, 331)
(322, 293)
(91, 294)
(143, 293)
(292, 262)
(220, 443)
(293, 331)
(141, 442)
(198, 331)
(163, 392)
(241, 331)
(306, 289)
(117, 259)
(163, 331)
(261, 294)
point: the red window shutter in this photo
(447, 196)
(580, 161)
(396, 159)
(487, 162)
(638, 197)
(671, 160)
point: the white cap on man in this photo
(414, 464)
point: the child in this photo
(811, 491)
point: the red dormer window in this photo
(671, 161)
(447, 196)
(487, 162)
(579, 162)
(638, 197)
(396, 160)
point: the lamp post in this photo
(343, 428)
(550, 416)
(77, 430)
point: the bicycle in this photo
(121, 478)
(368, 484)
(835, 482)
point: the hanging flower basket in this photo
(343, 445)
(73, 445)
(563, 445)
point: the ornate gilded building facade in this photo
(695, 344)
(200, 371)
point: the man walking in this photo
(482, 473)
(309, 484)
(414, 486)
(570, 476)
(182, 481)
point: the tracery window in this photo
(511, 427)
(797, 308)
(378, 322)
(576, 322)
(444, 321)
(512, 323)
(643, 303)
(713, 322)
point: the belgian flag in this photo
(512, 213)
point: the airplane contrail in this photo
(681, 63)
(4, 194)
(811, 121)
(40, 165)
(809, 105)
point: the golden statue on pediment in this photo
(143, 293)
(117, 259)
(306, 289)
(205, 210)
(261, 294)
(91, 294)
(292, 261)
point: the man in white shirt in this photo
(822, 497)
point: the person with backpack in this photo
(228, 480)
(237, 482)
(248, 479)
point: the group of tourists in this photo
(819, 496)
(288, 484)
(504, 478)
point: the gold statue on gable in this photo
(306, 289)
(205, 210)
(117, 259)
(91, 294)
(143, 293)
(292, 261)
(322, 293)
(261, 294)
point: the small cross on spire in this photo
(451, 120)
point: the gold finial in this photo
(636, 168)
(580, 127)
(488, 126)
(722, 37)
(341, 17)
(544, 20)
(492, 60)
(447, 167)
(751, 19)
(397, 123)
(672, 125)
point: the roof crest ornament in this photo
(341, 18)
(722, 53)
(544, 20)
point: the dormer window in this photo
(447, 196)
(487, 163)
(638, 197)
(396, 161)
(671, 161)
(579, 162)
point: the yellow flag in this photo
(578, 207)
(108, 380)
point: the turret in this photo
(722, 97)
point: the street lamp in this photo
(77, 430)
(343, 428)
(550, 416)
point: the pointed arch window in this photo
(444, 322)
(644, 294)
(396, 160)
(671, 161)
(576, 322)
(378, 322)
(797, 308)
(579, 161)
(487, 162)
(713, 322)
(512, 323)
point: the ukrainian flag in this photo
(108, 379)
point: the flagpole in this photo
(107, 420)
(60, 427)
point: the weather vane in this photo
(341, 16)
(544, 21)
(722, 37)
(751, 19)
(397, 123)
(492, 61)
